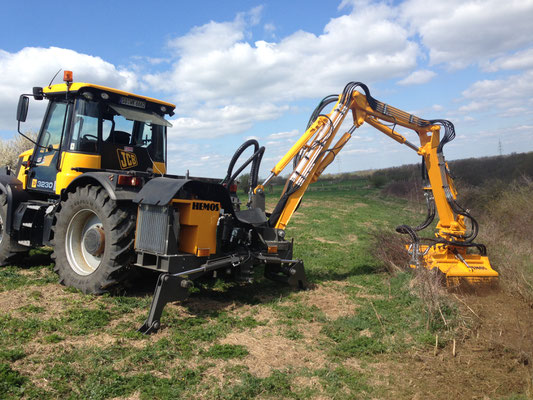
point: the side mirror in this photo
(22, 108)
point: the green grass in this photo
(12, 278)
(226, 351)
(11, 382)
(384, 324)
(88, 347)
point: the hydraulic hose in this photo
(255, 159)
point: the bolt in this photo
(292, 271)
(156, 325)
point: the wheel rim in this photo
(80, 260)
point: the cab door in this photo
(44, 162)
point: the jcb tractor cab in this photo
(91, 127)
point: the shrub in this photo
(506, 228)
(409, 189)
(244, 182)
(10, 149)
(377, 180)
(389, 248)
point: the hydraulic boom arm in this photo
(314, 151)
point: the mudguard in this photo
(160, 191)
(102, 179)
(12, 188)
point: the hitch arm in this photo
(169, 288)
(175, 287)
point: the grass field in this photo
(359, 333)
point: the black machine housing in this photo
(244, 240)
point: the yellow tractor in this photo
(95, 189)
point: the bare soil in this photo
(493, 358)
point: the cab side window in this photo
(121, 132)
(85, 130)
(51, 134)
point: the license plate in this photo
(132, 102)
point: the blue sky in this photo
(245, 69)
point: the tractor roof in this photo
(76, 86)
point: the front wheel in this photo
(93, 240)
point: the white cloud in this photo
(418, 77)
(216, 65)
(283, 135)
(35, 66)
(459, 33)
(359, 151)
(519, 60)
(500, 95)
(223, 83)
(215, 122)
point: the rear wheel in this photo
(93, 240)
(9, 248)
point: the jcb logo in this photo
(127, 159)
(205, 206)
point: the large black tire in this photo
(78, 264)
(9, 248)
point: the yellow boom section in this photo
(450, 250)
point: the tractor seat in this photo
(119, 137)
(253, 216)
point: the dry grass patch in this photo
(268, 351)
(324, 240)
(32, 368)
(343, 242)
(330, 298)
(351, 238)
(311, 203)
(51, 298)
(312, 382)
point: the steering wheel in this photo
(88, 137)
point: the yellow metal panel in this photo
(22, 175)
(74, 160)
(474, 269)
(159, 168)
(74, 87)
(198, 226)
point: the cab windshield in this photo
(95, 123)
